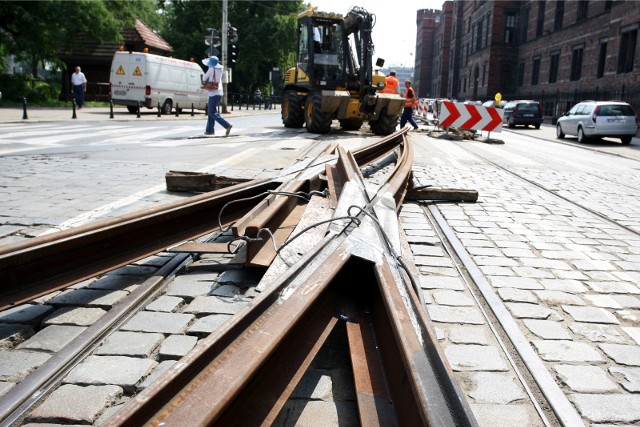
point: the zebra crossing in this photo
(16, 138)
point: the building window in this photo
(576, 63)
(607, 5)
(627, 53)
(479, 35)
(525, 24)
(521, 74)
(557, 24)
(535, 71)
(602, 59)
(486, 33)
(553, 67)
(540, 20)
(484, 73)
(509, 30)
(583, 10)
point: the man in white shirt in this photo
(79, 85)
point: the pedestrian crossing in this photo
(17, 138)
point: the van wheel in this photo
(559, 133)
(167, 107)
(132, 109)
(625, 139)
(581, 137)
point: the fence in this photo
(555, 104)
(249, 101)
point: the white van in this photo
(153, 80)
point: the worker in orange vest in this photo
(391, 84)
(410, 102)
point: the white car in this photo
(599, 119)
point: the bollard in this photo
(74, 110)
(159, 112)
(192, 114)
(138, 110)
(24, 109)
(177, 110)
(111, 108)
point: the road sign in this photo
(468, 116)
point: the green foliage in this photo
(17, 87)
(37, 31)
(266, 31)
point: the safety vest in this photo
(390, 85)
(410, 101)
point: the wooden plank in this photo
(198, 181)
(449, 194)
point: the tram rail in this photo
(256, 359)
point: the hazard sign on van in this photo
(120, 71)
(137, 72)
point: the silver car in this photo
(599, 119)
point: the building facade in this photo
(556, 51)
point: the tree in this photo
(266, 35)
(36, 31)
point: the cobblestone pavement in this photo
(562, 284)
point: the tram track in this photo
(382, 386)
(239, 365)
(541, 186)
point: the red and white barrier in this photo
(469, 116)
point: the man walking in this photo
(79, 85)
(410, 102)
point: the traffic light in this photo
(232, 55)
(232, 47)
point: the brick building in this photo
(556, 51)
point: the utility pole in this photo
(225, 24)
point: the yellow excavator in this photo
(334, 76)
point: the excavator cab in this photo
(334, 78)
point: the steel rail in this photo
(243, 373)
(19, 400)
(43, 264)
(47, 263)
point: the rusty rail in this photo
(43, 264)
(244, 372)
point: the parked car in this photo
(523, 112)
(599, 119)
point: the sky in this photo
(394, 34)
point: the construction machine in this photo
(334, 76)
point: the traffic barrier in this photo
(472, 117)
(159, 110)
(177, 110)
(423, 109)
(74, 110)
(111, 108)
(24, 109)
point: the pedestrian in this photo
(79, 87)
(391, 84)
(257, 95)
(214, 74)
(410, 103)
